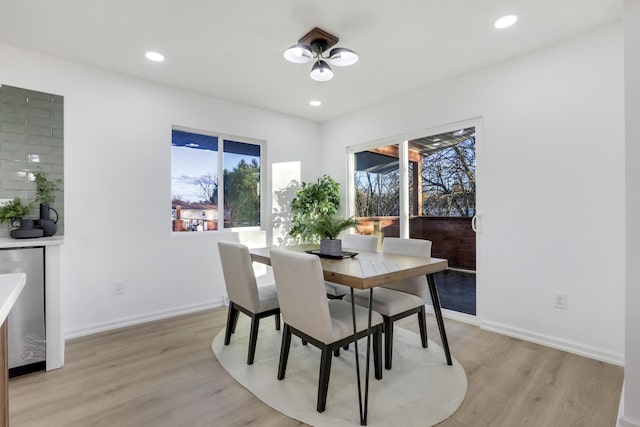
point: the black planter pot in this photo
(26, 230)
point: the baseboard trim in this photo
(625, 421)
(554, 342)
(456, 315)
(142, 318)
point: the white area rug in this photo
(420, 390)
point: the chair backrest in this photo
(239, 278)
(412, 247)
(301, 292)
(360, 242)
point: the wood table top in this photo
(365, 270)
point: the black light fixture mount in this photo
(312, 46)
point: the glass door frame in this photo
(402, 142)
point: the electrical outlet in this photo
(4, 202)
(118, 287)
(560, 300)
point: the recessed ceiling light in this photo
(436, 144)
(436, 139)
(459, 132)
(154, 56)
(505, 21)
(315, 103)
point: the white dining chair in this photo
(308, 314)
(358, 242)
(399, 299)
(244, 294)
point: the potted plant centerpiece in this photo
(329, 228)
(315, 215)
(44, 195)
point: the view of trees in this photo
(377, 194)
(448, 181)
(208, 188)
(448, 185)
(241, 193)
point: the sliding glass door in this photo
(423, 188)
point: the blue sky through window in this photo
(189, 163)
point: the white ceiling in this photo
(233, 49)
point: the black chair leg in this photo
(336, 352)
(422, 323)
(303, 342)
(323, 381)
(231, 316)
(284, 351)
(236, 314)
(277, 316)
(253, 338)
(388, 342)
(377, 352)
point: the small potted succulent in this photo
(15, 211)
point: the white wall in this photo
(117, 161)
(631, 411)
(550, 182)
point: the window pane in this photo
(241, 184)
(377, 195)
(194, 182)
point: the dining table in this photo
(365, 271)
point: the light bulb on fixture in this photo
(312, 46)
(342, 57)
(321, 71)
(299, 54)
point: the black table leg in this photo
(436, 308)
(363, 410)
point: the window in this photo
(201, 163)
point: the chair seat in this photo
(336, 290)
(342, 320)
(268, 298)
(387, 302)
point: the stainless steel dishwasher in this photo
(26, 321)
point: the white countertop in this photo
(10, 287)
(8, 242)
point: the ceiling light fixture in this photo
(154, 56)
(312, 47)
(315, 103)
(505, 21)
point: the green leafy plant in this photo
(45, 188)
(330, 226)
(14, 210)
(315, 210)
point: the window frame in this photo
(222, 137)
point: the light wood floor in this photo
(164, 374)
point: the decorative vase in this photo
(331, 246)
(49, 226)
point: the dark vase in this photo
(49, 226)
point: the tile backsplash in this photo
(31, 139)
